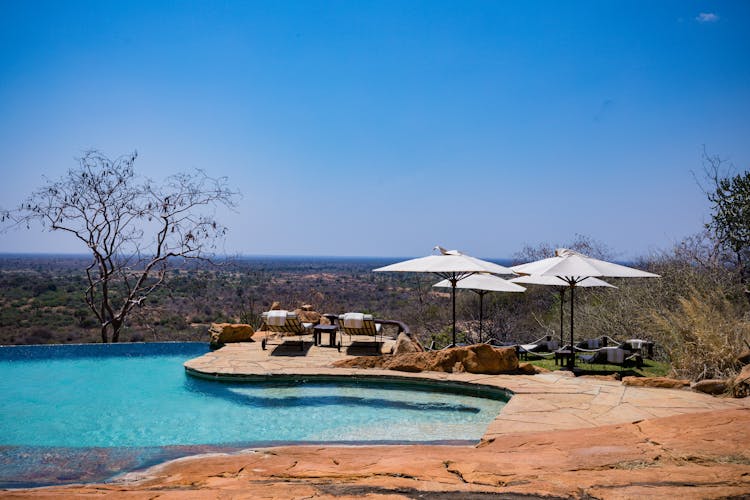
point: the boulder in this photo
(741, 383)
(712, 386)
(405, 344)
(409, 362)
(660, 382)
(225, 333)
(480, 358)
(309, 316)
(527, 369)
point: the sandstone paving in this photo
(559, 436)
(681, 456)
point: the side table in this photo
(318, 330)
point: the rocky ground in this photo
(698, 455)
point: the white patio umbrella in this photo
(451, 265)
(573, 268)
(562, 286)
(482, 284)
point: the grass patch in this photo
(650, 367)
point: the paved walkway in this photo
(550, 401)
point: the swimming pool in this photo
(87, 412)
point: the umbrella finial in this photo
(446, 252)
(566, 252)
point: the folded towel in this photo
(354, 320)
(276, 318)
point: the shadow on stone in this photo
(292, 348)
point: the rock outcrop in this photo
(675, 457)
(310, 316)
(480, 358)
(741, 383)
(225, 333)
(405, 345)
(529, 369)
(714, 387)
(660, 382)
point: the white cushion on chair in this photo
(276, 318)
(354, 320)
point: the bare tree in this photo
(132, 227)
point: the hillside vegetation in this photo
(696, 313)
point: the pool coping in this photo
(481, 390)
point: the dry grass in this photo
(703, 334)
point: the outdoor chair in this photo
(611, 356)
(590, 344)
(639, 346)
(543, 347)
(360, 324)
(284, 323)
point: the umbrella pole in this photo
(572, 359)
(562, 303)
(453, 288)
(481, 298)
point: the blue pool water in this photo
(80, 413)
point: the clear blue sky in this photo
(384, 128)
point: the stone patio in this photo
(544, 402)
(699, 450)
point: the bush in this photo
(39, 336)
(707, 331)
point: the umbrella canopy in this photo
(482, 284)
(448, 262)
(562, 286)
(574, 269)
(450, 265)
(555, 281)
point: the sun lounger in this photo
(360, 324)
(611, 356)
(542, 347)
(284, 323)
(639, 346)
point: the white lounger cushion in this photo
(276, 318)
(354, 320)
